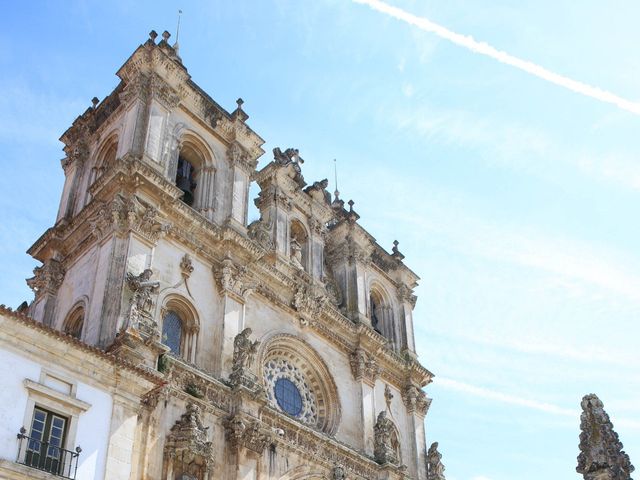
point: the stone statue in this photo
(296, 253)
(141, 305)
(290, 157)
(435, 468)
(243, 351)
(383, 431)
(338, 473)
(601, 455)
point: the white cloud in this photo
(483, 48)
(504, 397)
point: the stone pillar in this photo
(417, 405)
(241, 170)
(112, 287)
(205, 194)
(365, 371)
(233, 286)
(122, 436)
(407, 302)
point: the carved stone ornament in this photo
(188, 453)
(240, 157)
(186, 266)
(244, 351)
(416, 400)
(406, 295)
(334, 293)
(383, 432)
(601, 455)
(339, 473)
(140, 315)
(291, 159)
(46, 278)
(363, 366)
(129, 213)
(309, 301)
(248, 433)
(232, 278)
(435, 468)
(388, 396)
(260, 231)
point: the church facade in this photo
(171, 339)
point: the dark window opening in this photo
(185, 180)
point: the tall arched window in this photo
(180, 327)
(376, 310)
(190, 163)
(104, 157)
(74, 322)
(381, 315)
(172, 332)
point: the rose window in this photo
(298, 383)
(288, 390)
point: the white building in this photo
(205, 347)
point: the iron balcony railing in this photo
(47, 457)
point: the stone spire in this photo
(435, 468)
(601, 455)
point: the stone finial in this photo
(351, 204)
(95, 101)
(395, 252)
(165, 35)
(153, 35)
(601, 455)
(435, 467)
(239, 102)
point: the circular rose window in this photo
(298, 383)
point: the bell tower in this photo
(156, 148)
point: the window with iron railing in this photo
(43, 447)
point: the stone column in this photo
(205, 195)
(232, 284)
(122, 435)
(407, 303)
(417, 405)
(365, 371)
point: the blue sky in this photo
(513, 198)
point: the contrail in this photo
(482, 48)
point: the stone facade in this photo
(284, 347)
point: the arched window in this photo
(172, 332)
(376, 310)
(190, 162)
(180, 327)
(381, 315)
(105, 156)
(299, 245)
(74, 322)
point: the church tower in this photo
(284, 348)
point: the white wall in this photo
(93, 425)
